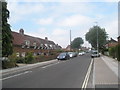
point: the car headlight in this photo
(63, 56)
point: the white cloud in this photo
(75, 20)
(60, 36)
(111, 0)
(59, 32)
(21, 11)
(45, 21)
(112, 28)
(64, 0)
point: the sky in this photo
(55, 18)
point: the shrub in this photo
(9, 62)
(29, 58)
(104, 51)
(20, 60)
(112, 52)
(115, 52)
(118, 52)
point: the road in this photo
(62, 74)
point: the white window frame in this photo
(27, 42)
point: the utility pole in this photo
(70, 40)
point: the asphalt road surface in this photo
(62, 74)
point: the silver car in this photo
(95, 53)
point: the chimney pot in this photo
(46, 38)
(21, 31)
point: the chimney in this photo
(21, 31)
(46, 38)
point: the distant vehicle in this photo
(75, 54)
(71, 54)
(87, 51)
(63, 56)
(95, 53)
(81, 53)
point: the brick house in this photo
(111, 43)
(68, 48)
(23, 43)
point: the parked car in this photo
(71, 54)
(75, 54)
(95, 53)
(81, 53)
(63, 56)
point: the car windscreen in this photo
(94, 52)
(62, 54)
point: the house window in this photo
(23, 54)
(51, 47)
(34, 54)
(17, 54)
(27, 43)
(42, 46)
(47, 46)
(23, 46)
(35, 45)
(38, 47)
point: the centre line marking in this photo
(87, 76)
(50, 65)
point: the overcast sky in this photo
(54, 19)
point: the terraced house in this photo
(23, 43)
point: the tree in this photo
(7, 48)
(76, 43)
(91, 37)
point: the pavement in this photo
(106, 72)
(24, 67)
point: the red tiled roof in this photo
(19, 39)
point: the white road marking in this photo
(84, 85)
(16, 75)
(50, 65)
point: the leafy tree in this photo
(7, 48)
(76, 43)
(0, 30)
(91, 37)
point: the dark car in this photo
(63, 56)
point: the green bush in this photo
(29, 58)
(104, 50)
(112, 52)
(115, 52)
(9, 62)
(20, 60)
(118, 52)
